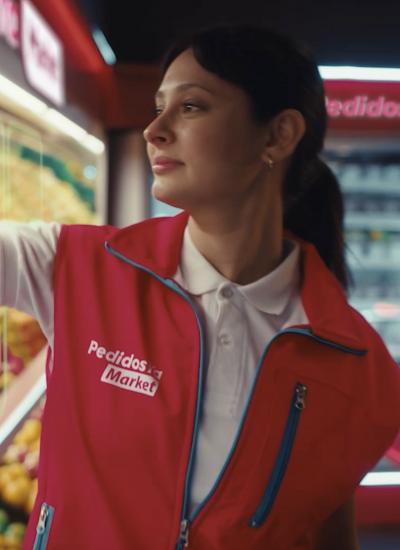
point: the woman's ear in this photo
(284, 133)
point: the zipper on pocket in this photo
(278, 473)
(43, 527)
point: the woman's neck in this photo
(243, 243)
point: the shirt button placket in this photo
(227, 292)
(225, 339)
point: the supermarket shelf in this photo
(363, 220)
(345, 146)
(373, 264)
(391, 190)
(20, 398)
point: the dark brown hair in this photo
(278, 73)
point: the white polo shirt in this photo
(239, 322)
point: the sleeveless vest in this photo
(124, 400)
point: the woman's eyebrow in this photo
(160, 93)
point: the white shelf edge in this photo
(23, 408)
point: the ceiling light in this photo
(381, 478)
(360, 73)
(21, 97)
(104, 47)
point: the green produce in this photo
(16, 530)
(4, 520)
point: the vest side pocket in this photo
(278, 473)
(43, 527)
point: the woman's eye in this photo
(190, 107)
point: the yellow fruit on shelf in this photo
(15, 453)
(16, 492)
(35, 445)
(20, 438)
(32, 497)
(16, 469)
(10, 473)
(13, 543)
(29, 432)
(24, 337)
(5, 477)
(30, 503)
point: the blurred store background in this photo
(77, 78)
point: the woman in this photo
(210, 386)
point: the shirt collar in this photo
(269, 294)
(198, 275)
(155, 246)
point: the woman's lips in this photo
(163, 167)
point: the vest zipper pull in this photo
(184, 532)
(301, 392)
(41, 526)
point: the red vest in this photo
(124, 397)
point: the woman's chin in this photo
(167, 194)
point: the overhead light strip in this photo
(20, 96)
(360, 73)
(24, 99)
(381, 478)
(104, 47)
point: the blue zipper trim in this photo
(305, 332)
(41, 539)
(173, 286)
(280, 466)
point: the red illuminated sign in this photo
(363, 106)
(42, 55)
(10, 22)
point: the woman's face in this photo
(204, 128)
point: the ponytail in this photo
(315, 213)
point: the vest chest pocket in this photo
(43, 527)
(278, 473)
(312, 458)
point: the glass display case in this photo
(45, 176)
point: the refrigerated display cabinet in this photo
(368, 170)
(47, 176)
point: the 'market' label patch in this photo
(133, 381)
(127, 371)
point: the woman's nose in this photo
(156, 134)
